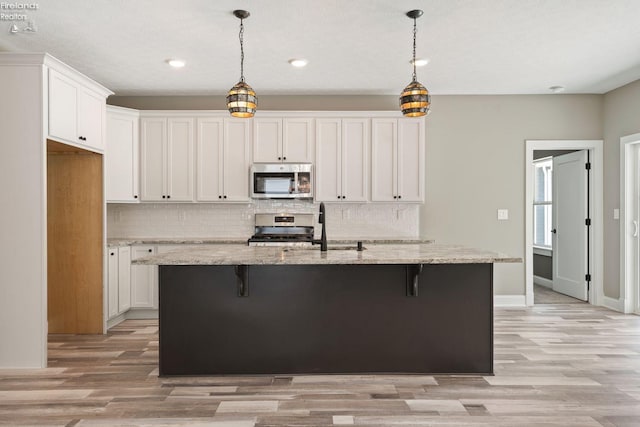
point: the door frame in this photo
(628, 172)
(595, 148)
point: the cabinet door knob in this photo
(168, 197)
(164, 197)
(135, 196)
(338, 197)
(279, 158)
(344, 197)
(150, 250)
(219, 197)
(399, 197)
(225, 197)
(284, 158)
(112, 253)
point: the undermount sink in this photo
(329, 248)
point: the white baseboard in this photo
(142, 313)
(612, 303)
(543, 281)
(114, 321)
(509, 301)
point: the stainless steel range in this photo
(282, 229)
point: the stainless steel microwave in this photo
(281, 181)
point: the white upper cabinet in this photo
(76, 113)
(267, 140)
(237, 160)
(121, 155)
(298, 143)
(180, 162)
(289, 140)
(342, 150)
(411, 160)
(224, 158)
(167, 159)
(397, 160)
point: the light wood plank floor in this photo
(543, 295)
(556, 365)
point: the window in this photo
(542, 198)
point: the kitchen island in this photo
(391, 308)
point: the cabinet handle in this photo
(279, 158)
(224, 197)
(112, 253)
(82, 138)
(135, 196)
(168, 197)
(284, 158)
(219, 197)
(150, 250)
(344, 197)
(399, 197)
(164, 197)
(395, 197)
(338, 197)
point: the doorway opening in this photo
(629, 224)
(579, 226)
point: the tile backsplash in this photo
(207, 220)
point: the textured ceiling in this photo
(353, 47)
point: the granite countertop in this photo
(128, 241)
(374, 253)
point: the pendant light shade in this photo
(241, 99)
(415, 100)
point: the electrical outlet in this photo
(616, 214)
(503, 214)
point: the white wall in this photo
(344, 221)
(23, 299)
(621, 118)
(475, 165)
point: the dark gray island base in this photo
(327, 318)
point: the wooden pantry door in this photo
(75, 209)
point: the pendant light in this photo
(414, 99)
(241, 99)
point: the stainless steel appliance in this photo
(281, 181)
(283, 229)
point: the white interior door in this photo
(570, 248)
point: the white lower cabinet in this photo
(119, 280)
(144, 279)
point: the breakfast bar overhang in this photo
(410, 308)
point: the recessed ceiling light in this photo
(556, 89)
(298, 63)
(176, 63)
(420, 62)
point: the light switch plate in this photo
(616, 214)
(503, 214)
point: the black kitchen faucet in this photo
(323, 238)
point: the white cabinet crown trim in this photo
(36, 59)
(276, 113)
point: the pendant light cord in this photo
(241, 36)
(415, 78)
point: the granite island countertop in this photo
(374, 253)
(128, 241)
